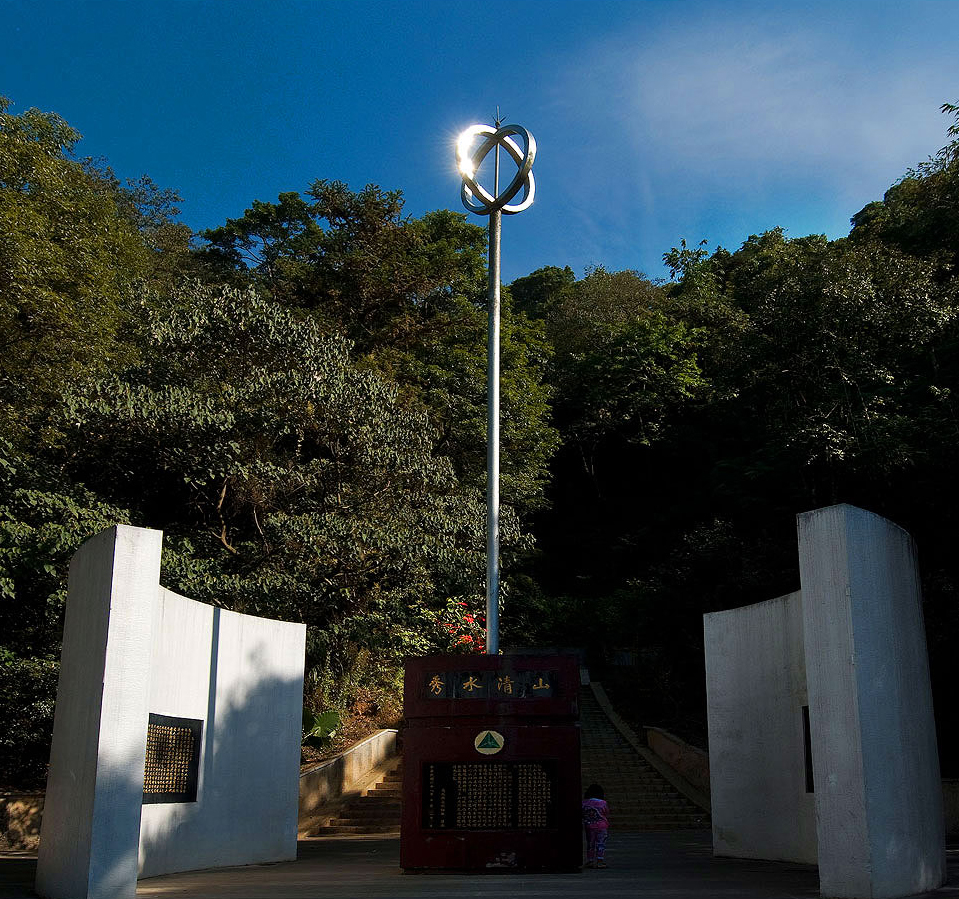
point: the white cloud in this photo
(759, 100)
(722, 120)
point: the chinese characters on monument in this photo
(507, 685)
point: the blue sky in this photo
(655, 121)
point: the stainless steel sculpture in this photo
(473, 146)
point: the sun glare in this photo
(463, 145)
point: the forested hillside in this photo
(297, 399)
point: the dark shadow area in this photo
(240, 747)
(242, 750)
(641, 864)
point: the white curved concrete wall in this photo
(879, 793)
(132, 648)
(756, 689)
(856, 631)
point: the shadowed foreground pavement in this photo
(660, 864)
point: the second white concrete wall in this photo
(756, 691)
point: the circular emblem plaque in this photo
(489, 742)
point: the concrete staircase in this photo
(377, 810)
(639, 797)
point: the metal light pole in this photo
(472, 148)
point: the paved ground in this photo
(666, 865)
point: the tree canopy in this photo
(297, 398)
(71, 262)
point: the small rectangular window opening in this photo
(807, 750)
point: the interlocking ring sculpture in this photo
(475, 197)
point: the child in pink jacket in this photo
(596, 824)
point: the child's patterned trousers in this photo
(596, 843)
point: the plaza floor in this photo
(669, 865)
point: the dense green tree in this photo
(621, 361)
(446, 373)
(269, 246)
(71, 262)
(920, 213)
(410, 295)
(624, 368)
(154, 212)
(43, 520)
(788, 374)
(80, 259)
(289, 483)
(539, 293)
(600, 300)
(833, 373)
(353, 259)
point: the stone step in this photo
(617, 814)
(368, 809)
(630, 808)
(638, 787)
(630, 803)
(639, 792)
(352, 828)
(373, 814)
(378, 811)
(374, 825)
(621, 774)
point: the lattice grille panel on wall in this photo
(489, 795)
(171, 770)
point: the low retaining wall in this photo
(20, 815)
(690, 761)
(329, 784)
(693, 764)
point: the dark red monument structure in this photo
(491, 764)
